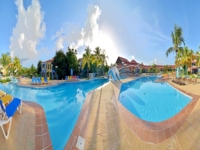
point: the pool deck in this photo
(29, 130)
(106, 124)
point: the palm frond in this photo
(171, 49)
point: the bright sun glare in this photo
(105, 42)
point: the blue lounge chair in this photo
(45, 80)
(9, 111)
(33, 80)
(38, 80)
(66, 77)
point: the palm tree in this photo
(104, 59)
(17, 64)
(198, 58)
(87, 59)
(184, 58)
(177, 40)
(98, 58)
(5, 60)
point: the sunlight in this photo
(105, 42)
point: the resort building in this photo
(128, 67)
(47, 68)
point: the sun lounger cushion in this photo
(6, 99)
(12, 107)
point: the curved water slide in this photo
(113, 71)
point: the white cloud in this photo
(29, 30)
(59, 43)
(132, 57)
(89, 35)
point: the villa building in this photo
(47, 68)
(125, 66)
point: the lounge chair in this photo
(66, 77)
(69, 78)
(6, 99)
(45, 80)
(2, 93)
(42, 80)
(38, 80)
(9, 111)
(33, 81)
(77, 78)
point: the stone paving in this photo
(29, 130)
(22, 133)
(105, 124)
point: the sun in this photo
(106, 42)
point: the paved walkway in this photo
(29, 130)
(106, 126)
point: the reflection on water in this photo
(152, 101)
(62, 105)
(80, 96)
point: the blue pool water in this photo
(152, 101)
(123, 77)
(62, 105)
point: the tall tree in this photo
(98, 60)
(39, 67)
(33, 70)
(5, 60)
(60, 61)
(87, 59)
(16, 64)
(177, 40)
(184, 58)
(104, 59)
(198, 58)
(71, 61)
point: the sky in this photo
(34, 30)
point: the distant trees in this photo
(96, 62)
(198, 57)
(184, 58)
(87, 59)
(71, 61)
(60, 61)
(5, 60)
(66, 62)
(90, 62)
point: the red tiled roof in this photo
(50, 60)
(133, 62)
(123, 59)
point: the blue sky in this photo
(33, 30)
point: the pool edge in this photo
(42, 135)
(155, 132)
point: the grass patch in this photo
(5, 80)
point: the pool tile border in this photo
(146, 131)
(155, 132)
(42, 135)
(79, 128)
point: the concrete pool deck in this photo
(106, 124)
(29, 130)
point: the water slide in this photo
(113, 71)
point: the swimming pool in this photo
(62, 105)
(152, 101)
